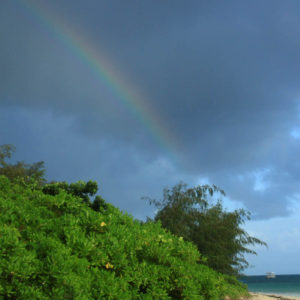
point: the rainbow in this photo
(101, 66)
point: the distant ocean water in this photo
(288, 285)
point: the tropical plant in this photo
(26, 172)
(217, 233)
(57, 247)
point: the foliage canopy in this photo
(26, 172)
(57, 244)
(57, 247)
(35, 174)
(218, 234)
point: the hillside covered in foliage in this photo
(58, 247)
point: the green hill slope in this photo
(57, 247)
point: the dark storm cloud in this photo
(124, 173)
(223, 75)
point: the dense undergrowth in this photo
(57, 247)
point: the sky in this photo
(140, 95)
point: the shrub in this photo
(57, 247)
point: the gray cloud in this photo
(223, 76)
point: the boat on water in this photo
(270, 275)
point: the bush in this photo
(57, 247)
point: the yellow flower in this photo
(103, 224)
(108, 265)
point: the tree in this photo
(35, 174)
(5, 152)
(20, 170)
(81, 189)
(217, 233)
(56, 247)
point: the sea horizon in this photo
(277, 274)
(282, 284)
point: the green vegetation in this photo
(217, 233)
(57, 244)
(27, 172)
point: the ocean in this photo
(288, 285)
